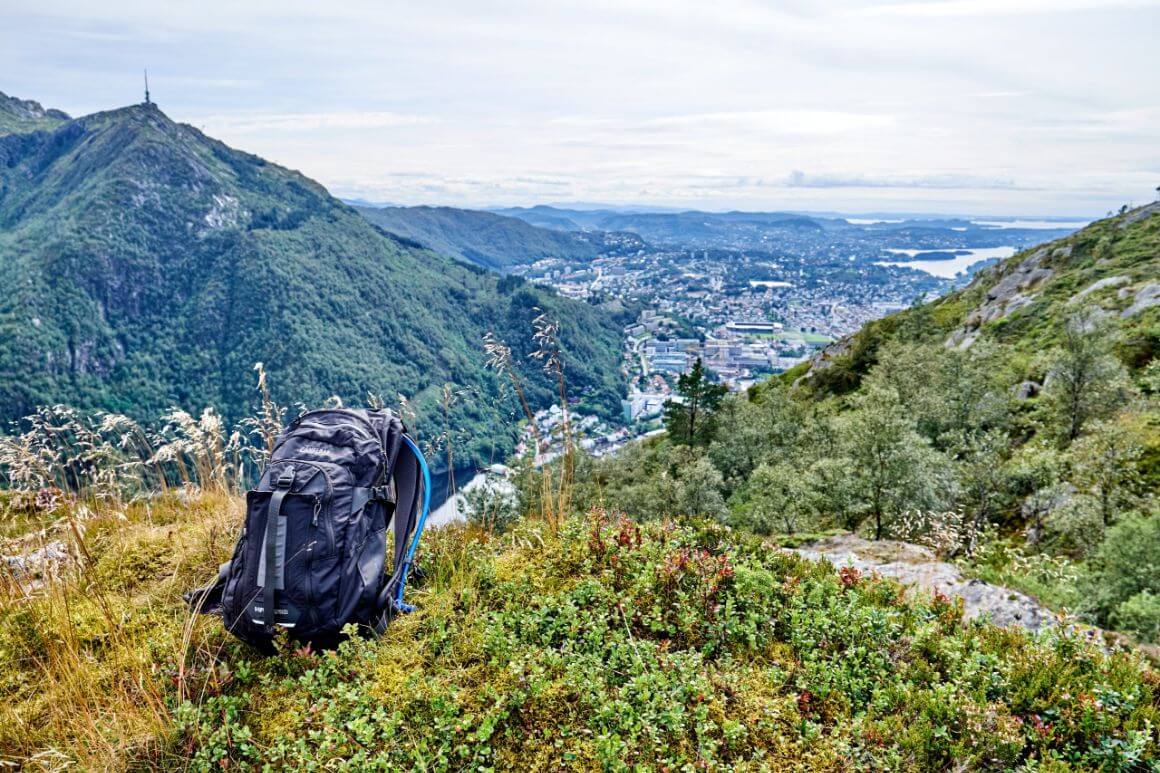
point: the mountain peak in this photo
(143, 246)
(25, 115)
(141, 113)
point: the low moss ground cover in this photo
(605, 644)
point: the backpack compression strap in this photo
(207, 600)
(273, 565)
(413, 498)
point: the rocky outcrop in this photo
(1146, 297)
(1140, 213)
(1025, 390)
(31, 569)
(1014, 290)
(826, 357)
(919, 567)
(1110, 281)
(26, 115)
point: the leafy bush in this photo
(1139, 615)
(605, 644)
(1126, 570)
(492, 506)
(1075, 527)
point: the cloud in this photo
(997, 94)
(799, 179)
(309, 122)
(1023, 106)
(1000, 7)
(781, 121)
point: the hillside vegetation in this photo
(1025, 301)
(150, 266)
(565, 634)
(633, 612)
(599, 644)
(676, 228)
(1013, 427)
(485, 239)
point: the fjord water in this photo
(949, 268)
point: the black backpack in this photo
(312, 554)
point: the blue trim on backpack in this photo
(410, 555)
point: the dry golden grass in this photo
(95, 655)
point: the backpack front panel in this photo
(310, 553)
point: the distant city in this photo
(752, 294)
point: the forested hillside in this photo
(678, 228)
(1024, 302)
(485, 239)
(1013, 427)
(150, 266)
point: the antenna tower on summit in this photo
(147, 87)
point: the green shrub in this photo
(1126, 565)
(1139, 615)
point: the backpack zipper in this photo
(365, 424)
(317, 502)
(310, 578)
(358, 429)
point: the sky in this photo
(1002, 107)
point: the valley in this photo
(151, 267)
(750, 294)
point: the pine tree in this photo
(690, 421)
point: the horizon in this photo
(954, 106)
(645, 208)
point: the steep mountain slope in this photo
(1024, 301)
(1013, 426)
(25, 115)
(486, 239)
(151, 265)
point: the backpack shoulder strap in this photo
(413, 503)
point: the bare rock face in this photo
(918, 567)
(1015, 290)
(1140, 213)
(1025, 390)
(1110, 281)
(1146, 297)
(29, 110)
(962, 338)
(1026, 275)
(825, 358)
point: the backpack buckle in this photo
(382, 494)
(286, 479)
